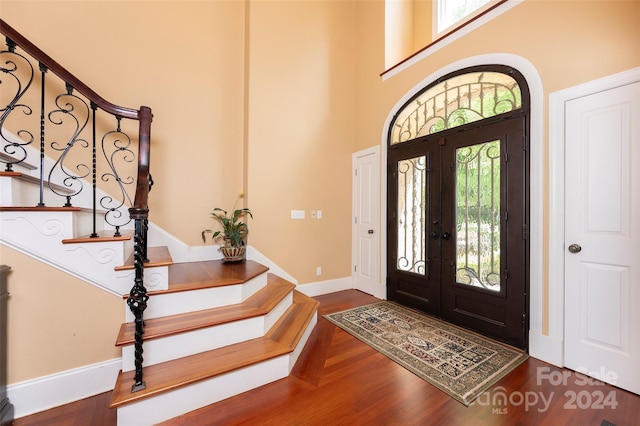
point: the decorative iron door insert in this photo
(485, 260)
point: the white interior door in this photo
(602, 236)
(366, 241)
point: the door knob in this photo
(575, 248)
(370, 231)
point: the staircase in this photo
(251, 334)
(211, 330)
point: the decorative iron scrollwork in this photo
(19, 75)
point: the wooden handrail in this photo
(65, 75)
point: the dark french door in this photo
(458, 225)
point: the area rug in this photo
(459, 362)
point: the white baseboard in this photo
(43, 393)
(324, 287)
(546, 348)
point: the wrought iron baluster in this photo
(94, 171)
(67, 104)
(117, 144)
(43, 73)
(137, 302)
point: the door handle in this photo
(370, 231)
(575, 248)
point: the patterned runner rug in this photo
(459, 362)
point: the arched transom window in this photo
(454, 102)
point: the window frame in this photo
(490, 4)
(501, 7)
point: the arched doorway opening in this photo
(458, 201)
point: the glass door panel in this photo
(477, 215)
(412, 193)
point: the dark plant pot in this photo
(232, 254)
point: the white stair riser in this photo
(167, 405)
(155, 278)
(165, 304)
(183, 400)
(83, 223)
(15, 192)
(193, 342)
(185, 344)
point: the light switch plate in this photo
(297, 214)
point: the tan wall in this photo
(56, 322)
(301, 92)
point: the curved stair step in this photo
(259, 304)
(285, 338)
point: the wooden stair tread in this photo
(32, 179)
(288, 329)
(158, 256)
(260, 303)
(211, 273)
(102, 237)
(173, 374)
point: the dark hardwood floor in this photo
(339, 380)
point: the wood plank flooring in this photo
(339, 380)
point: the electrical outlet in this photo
(319, 214)
(319, 271)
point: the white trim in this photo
(380, 289)
(324, 287)
(536, 150)
(557, 102)
(43, 393)
(438, 45)
(254, 254)
(546, 348)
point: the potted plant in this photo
(233, 233)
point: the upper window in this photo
(455, 101)
(448, 14)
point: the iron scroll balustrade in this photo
(70, 118)
(73, 110)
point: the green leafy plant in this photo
(233, 230)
